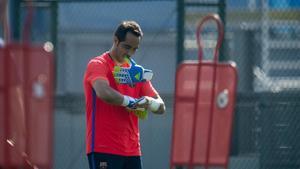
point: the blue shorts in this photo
(110, 161)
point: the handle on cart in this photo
(220, 30)
(216, 18)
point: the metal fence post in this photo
(180, 31)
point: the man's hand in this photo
(137, 107)
(156, 106)
(145, 103)
(133, 74)
(131, 102)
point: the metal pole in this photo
(14, 16)
(54, 23)
(222, 14)
(180, 31)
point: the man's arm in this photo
(106, 93)
(162, 107)
(111, 96)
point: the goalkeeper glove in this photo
(132, 103)
(133, 74)
(153, 105)
(141, 113)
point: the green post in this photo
(14, 19)
(222, 13)
(54, 23)
(180, 31)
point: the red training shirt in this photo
(109, 128)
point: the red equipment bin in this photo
(203, 109)
(26, 106)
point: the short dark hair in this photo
(128, 26)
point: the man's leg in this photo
(133, 162)
(105, 161)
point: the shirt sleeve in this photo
(97, 69)
(148, 89)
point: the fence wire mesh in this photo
(262, 37)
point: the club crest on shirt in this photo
(103, 165)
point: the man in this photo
(112, 134)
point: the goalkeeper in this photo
(112, 133)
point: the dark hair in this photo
(128, 26)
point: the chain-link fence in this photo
(262, 37)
